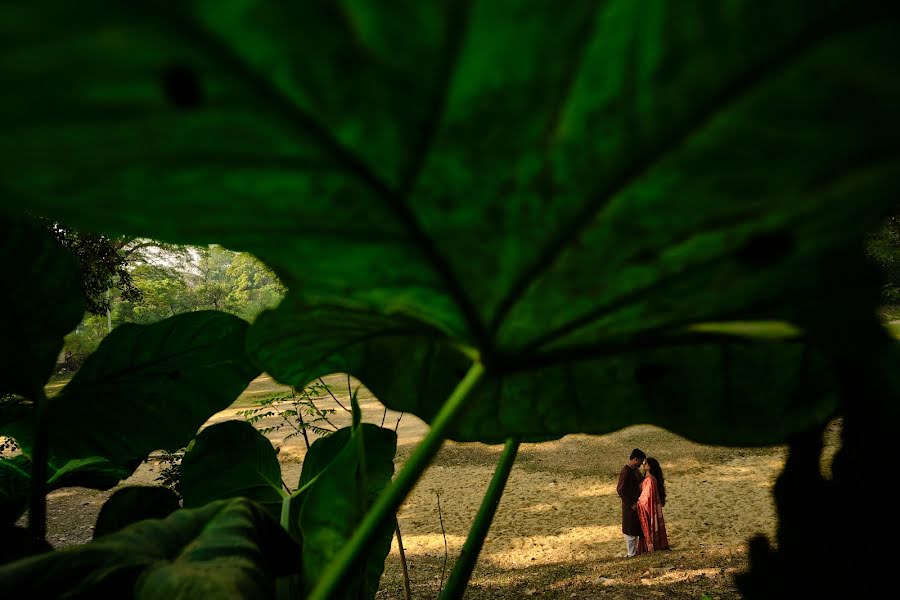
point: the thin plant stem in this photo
(37, 507)
(389, 500)
(323, 416)
(286, 511)
(330, 393)
(446, 549)
(286, 421)
(320, 413)
(287, 587)
(462, 569)
(300, 417)
(356, 414)
(383, 416)
(407, 591)
(397, 424)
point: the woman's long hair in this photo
(657, 473)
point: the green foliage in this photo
(174, 280)
(226, 549)
(255, 286)
(103, 265)
(700, 384)
(302, 413)
(132, 504)
(82, 342)
(165, 294)
(602, 212)
(234, 282)
(342, 476)
(158, 376)
(232, 460)
(208, 279)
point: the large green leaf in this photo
(599, 161)
(231, 460)
(743, 388)
(132, 504)
(147, 387)
(226, 549)
(337, 487)
(41, 302)
(524, 180)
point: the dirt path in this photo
(556, 533)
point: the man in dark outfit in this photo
(629, 490)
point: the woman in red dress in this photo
(649, 508)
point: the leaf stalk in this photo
(37, 507)
(465, 564)
(390, 499)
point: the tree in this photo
(234, 282)
(103, 265)
(255, 286)
(164, 294)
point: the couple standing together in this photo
(643, 492)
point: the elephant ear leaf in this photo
(169, 376)
(231, 460)
(519, 177)
(341, 477)
(132, 504)
(226, 549)
(41, 302)
(532, 185)
(738, 383)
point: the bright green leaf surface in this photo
(231, 460)
(227, 549)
